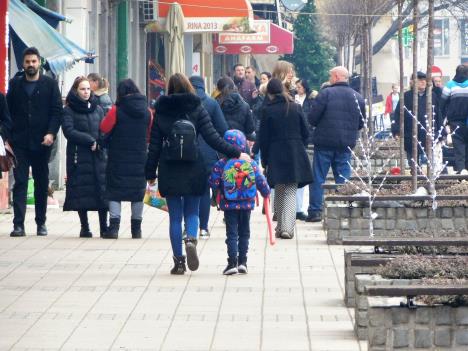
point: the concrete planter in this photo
(361, 298)
(352, 270)
(342, 221)
(392, 327)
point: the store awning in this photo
(28, 29)
(281, 42)
(212, 15)
(51, 17)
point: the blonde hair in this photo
(282, 69)
(101, 81)
(263, 88)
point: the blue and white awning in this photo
(60, 53)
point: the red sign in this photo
(261, 35)
(3, 45)
(281, 42)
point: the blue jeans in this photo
(237, 233)
(323, 160)
(205, 206)
(182, 207)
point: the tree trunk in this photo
(401, 113)
(369, 76)
(414, 163)
(429, 113)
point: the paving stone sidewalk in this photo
(61, 292)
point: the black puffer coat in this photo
(128, 150)
(237, 114)
(86, 169)
(182, 178)
(283, 139)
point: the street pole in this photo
(429, 112)
(414, 168)
(401, 112)
(122, 40)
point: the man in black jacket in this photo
(420, 85)
(36, 108)
(337, 114)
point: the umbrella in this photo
(175, 26)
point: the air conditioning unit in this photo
(149, 11)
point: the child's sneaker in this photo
(231, 267)
(242, 269)
(242, 266)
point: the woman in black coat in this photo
(236, 111)
(86, 161)
(283, 139)
(182, 182)
(126, 125)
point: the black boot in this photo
(136, 228)
(85, 232)
(231, 267)
(179, 265)
(113, 230)
(191, 251)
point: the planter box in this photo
(392, 327)
(361, 298)
(342, 221)
(351, 270)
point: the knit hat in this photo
(275, 86)
(236, 138)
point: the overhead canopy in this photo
(281, 42)
(212, 15)
(28, 29)
(51, 17)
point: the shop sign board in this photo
(261, 35)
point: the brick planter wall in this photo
(438, 328)
(352, 271)
(342, 221)
(361, 298)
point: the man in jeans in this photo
(36, 109)
(337, 114)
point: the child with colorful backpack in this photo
(236, 182)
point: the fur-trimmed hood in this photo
(177, 104)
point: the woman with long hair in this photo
(284, 71)
(181, 173)
(236, 111)
(127, 125)
(86, 161)
(100, 88)
(283, 139)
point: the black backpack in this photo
(181, 144)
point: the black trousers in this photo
(460, 146)
(237, 233)
(38, 161)
(83, 214)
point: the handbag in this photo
(154, 199)
(8, 158)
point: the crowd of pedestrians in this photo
(252, 135)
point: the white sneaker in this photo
(204, 234)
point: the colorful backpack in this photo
(239, 180)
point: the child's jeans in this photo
(237, 233)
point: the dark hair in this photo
(305, 85)
(237, 65)
(31, 51)
(462, 71)
(126, 87)
(225, 86)
(268, 74)
(276, 88)
(102, 82)
(179, 84)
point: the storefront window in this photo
(441, 37)
(156, 80)
(464, 37)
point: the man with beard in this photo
(36, 108)
(246, 88)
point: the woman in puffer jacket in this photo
(86, 161)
